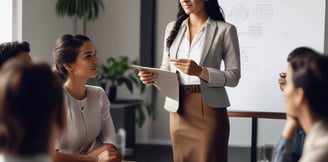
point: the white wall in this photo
(115, 33)
(116, 30)
(165, 12)
(41, 27)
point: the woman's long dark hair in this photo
(213, 10)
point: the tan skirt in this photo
(199, 133)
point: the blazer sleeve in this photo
(166, 54)
(231, 57)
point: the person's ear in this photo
(68, 67)
(299, 97)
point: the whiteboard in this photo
(268, 31)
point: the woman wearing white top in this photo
(90, 134)
(195, 45)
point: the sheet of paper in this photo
(167, 82)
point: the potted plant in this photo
(82, 9)
(116, 72)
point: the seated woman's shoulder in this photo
(93, 88)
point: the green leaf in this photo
(127, 82)
(81, 8)
(118, 72)
(140, 118)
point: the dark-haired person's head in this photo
(14, 49)
(302, 53)
(307, 86)
(31, 108)
(66, 51)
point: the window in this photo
(6, 20)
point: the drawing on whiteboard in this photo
(267, 31)
(255, 30)
(239, 13)
(263, 11)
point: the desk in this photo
(124, 116)
(255, 116)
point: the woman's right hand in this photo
(147, 77)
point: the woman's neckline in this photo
(70, 95)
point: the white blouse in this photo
(89, 122)
(192, 50)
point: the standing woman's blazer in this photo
(221, 44)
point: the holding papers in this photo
(167, 83)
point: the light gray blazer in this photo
(221, 44)
(316, 143)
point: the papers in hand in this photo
(167, 83)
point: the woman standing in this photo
(90, 134)
(196, 45)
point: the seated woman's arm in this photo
(284, 149)
(103, 153)
(63, 157)
(104, 147)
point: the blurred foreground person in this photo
(32, 114)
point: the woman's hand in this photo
(106, 153)
(147, 77)
(290, 128)
(187, 66)
(110, 156)
(282, 81)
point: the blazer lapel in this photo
(176, 42)
(210, 31)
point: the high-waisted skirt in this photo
(199, 133)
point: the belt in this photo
(187, 89)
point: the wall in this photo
(41, 27)
(165, 12)
(115, 33)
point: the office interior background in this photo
(116, 32)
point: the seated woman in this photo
(306, 92)
(90, 134)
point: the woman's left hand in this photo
(290, 128)
(187, 66)
(110, 156)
